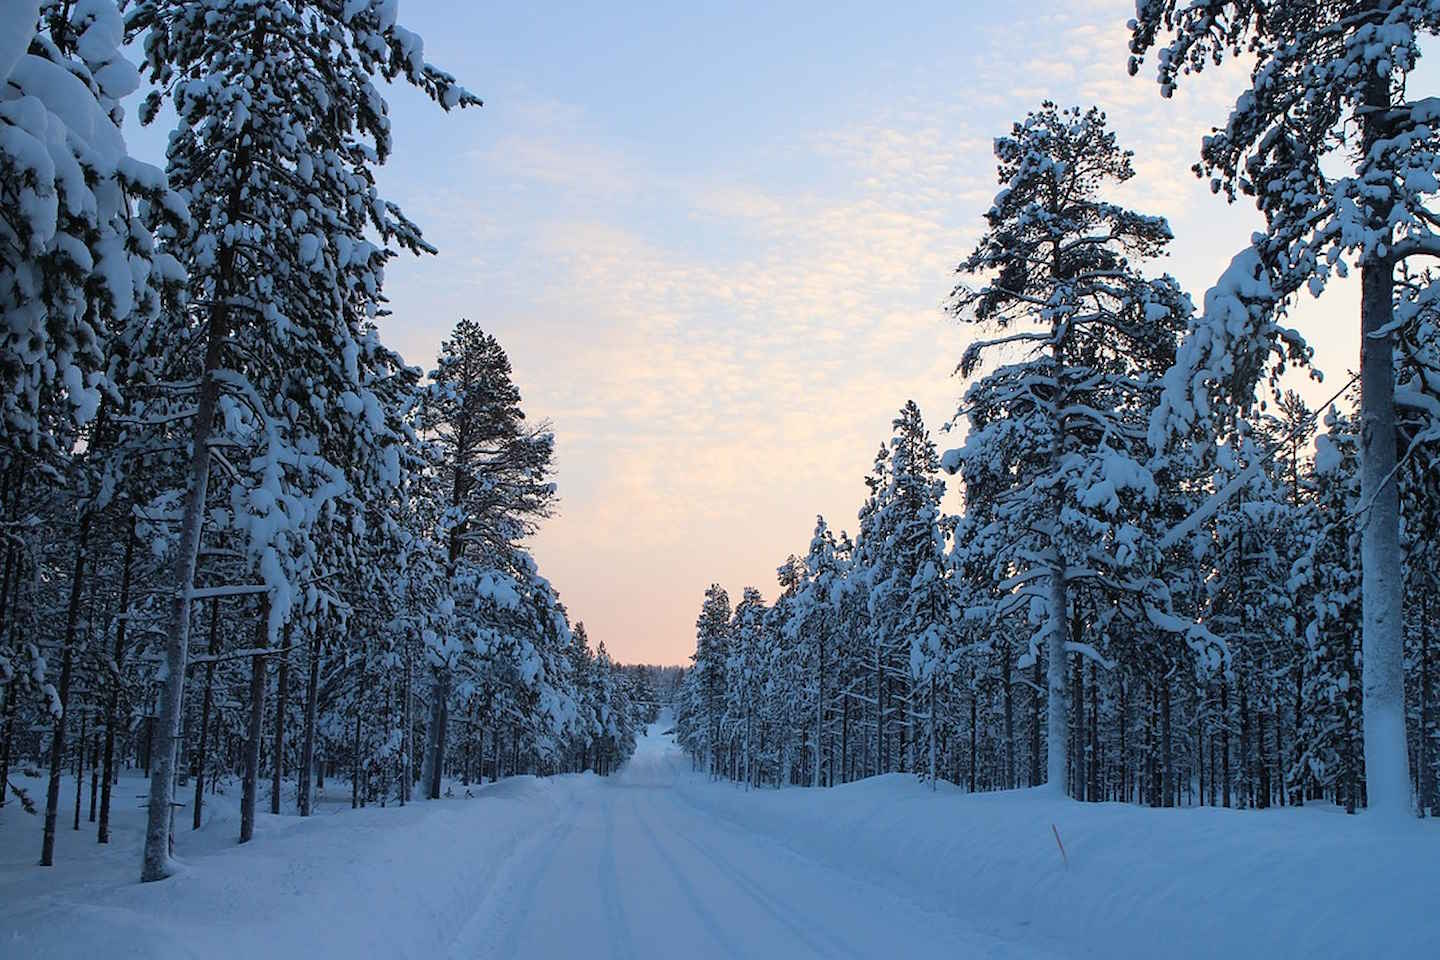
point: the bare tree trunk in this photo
(408, 736)
(819, 704)
(1123, 723)
(434, 766)
(932, 731)
(1201, 725)
(1092, 766)
(67, 664)
(1035, 688)
(1057, 716)
(9, 614)
(1009, 717)
(80, 767)
(207, 701)
(1077, 725)
(355, 749)
(1225, 738)
(1262, 753)
(1387, 774)
(112, 708)
(880, 759)
(282, 696)
(9, 737)
(1427, 764)
(255, 729)
(974, 724)
(1246, 768)
(156, 862)
(1167, 784)
(307, 750)
(94, 775)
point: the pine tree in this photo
(712, 638)
(1049, 437)
(280, 128)
(494, 483)
(1342, 165)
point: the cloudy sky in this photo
(716, 240)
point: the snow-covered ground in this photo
(659, 862)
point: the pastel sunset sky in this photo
(716, 240)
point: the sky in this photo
(717, 241)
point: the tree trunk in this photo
(1262, 759)
(307, 751)
(1201, 733)
(1009, 716)
(80, 767)
(1276, 721)
(282, 696)
(881, 766)
(1057, 723)
(67, 663)
(819, 705)
(1302, 775)
(1124, 754)
(1387, 774)
(9, 738)
(974, 723)
(112, 708)
(1092, 766)
(355, 748)
(932, 731)
(155, 865)
(1427, 764)
(407, 736)
(255, 730)
(1077, 726)
(1167, 772)
(1213, 791)
(9, 613)
(94, 775)
(434, 767)
(207, 701)
(1225, 738)
(1035, 688)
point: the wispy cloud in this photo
(721, 351)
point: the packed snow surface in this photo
(660, 862)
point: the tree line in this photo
(1170, 581)
(242, 537)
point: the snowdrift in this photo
(1183, 883)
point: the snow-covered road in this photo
(658, 861)
(634, 871)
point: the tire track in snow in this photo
(821, 941)
(622, 942)
(524, 892)
(500, 913)
(986, 942)
(714, 927)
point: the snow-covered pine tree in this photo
(1052, 433)
(712, 640)
(902, 545)
(493, 476)
(78, 269)
(1326, 582)
(1342, 164)
(743, 676)
(280, 127)
(78, 259)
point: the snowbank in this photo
(1183, 883)
(393, 882)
